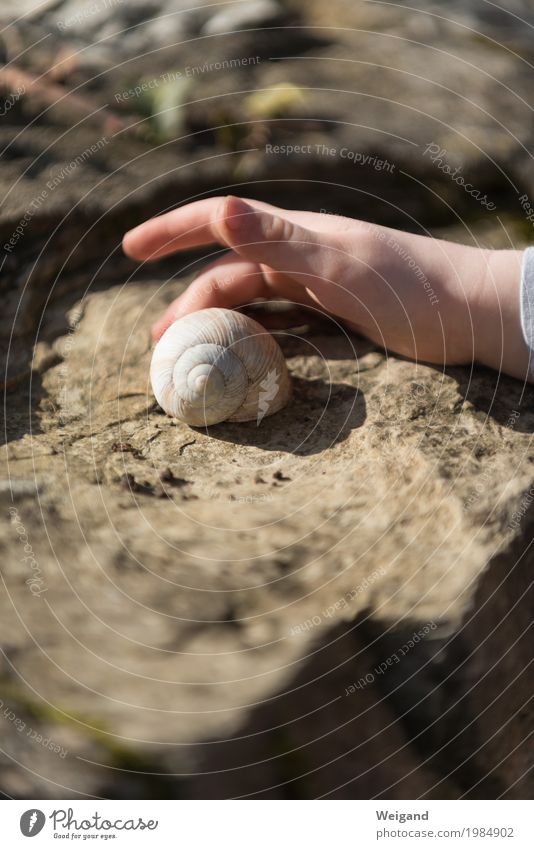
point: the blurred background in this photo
(416, 115)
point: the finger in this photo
(196, 224)
(228, 282)
(231, 282)
(310, 258)
(189, 226)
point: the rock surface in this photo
(335, 603)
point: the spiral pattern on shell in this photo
(218, 365)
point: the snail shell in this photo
(218, 365)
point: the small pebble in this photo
(255, 13)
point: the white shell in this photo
(218, 365)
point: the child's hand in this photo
(427, 299)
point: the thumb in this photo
(308, 256)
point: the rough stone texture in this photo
(189, 576)
(206, 601)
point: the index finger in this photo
(186, 227)
(196, 224)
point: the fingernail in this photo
(174, 312)
(158, 329)
(130, 233)
(234, 211)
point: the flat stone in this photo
(371, 482)
(251, 599)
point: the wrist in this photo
(496, 311)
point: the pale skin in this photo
(424, 298)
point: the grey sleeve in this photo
(527, 303)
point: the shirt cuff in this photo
(527, 303)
